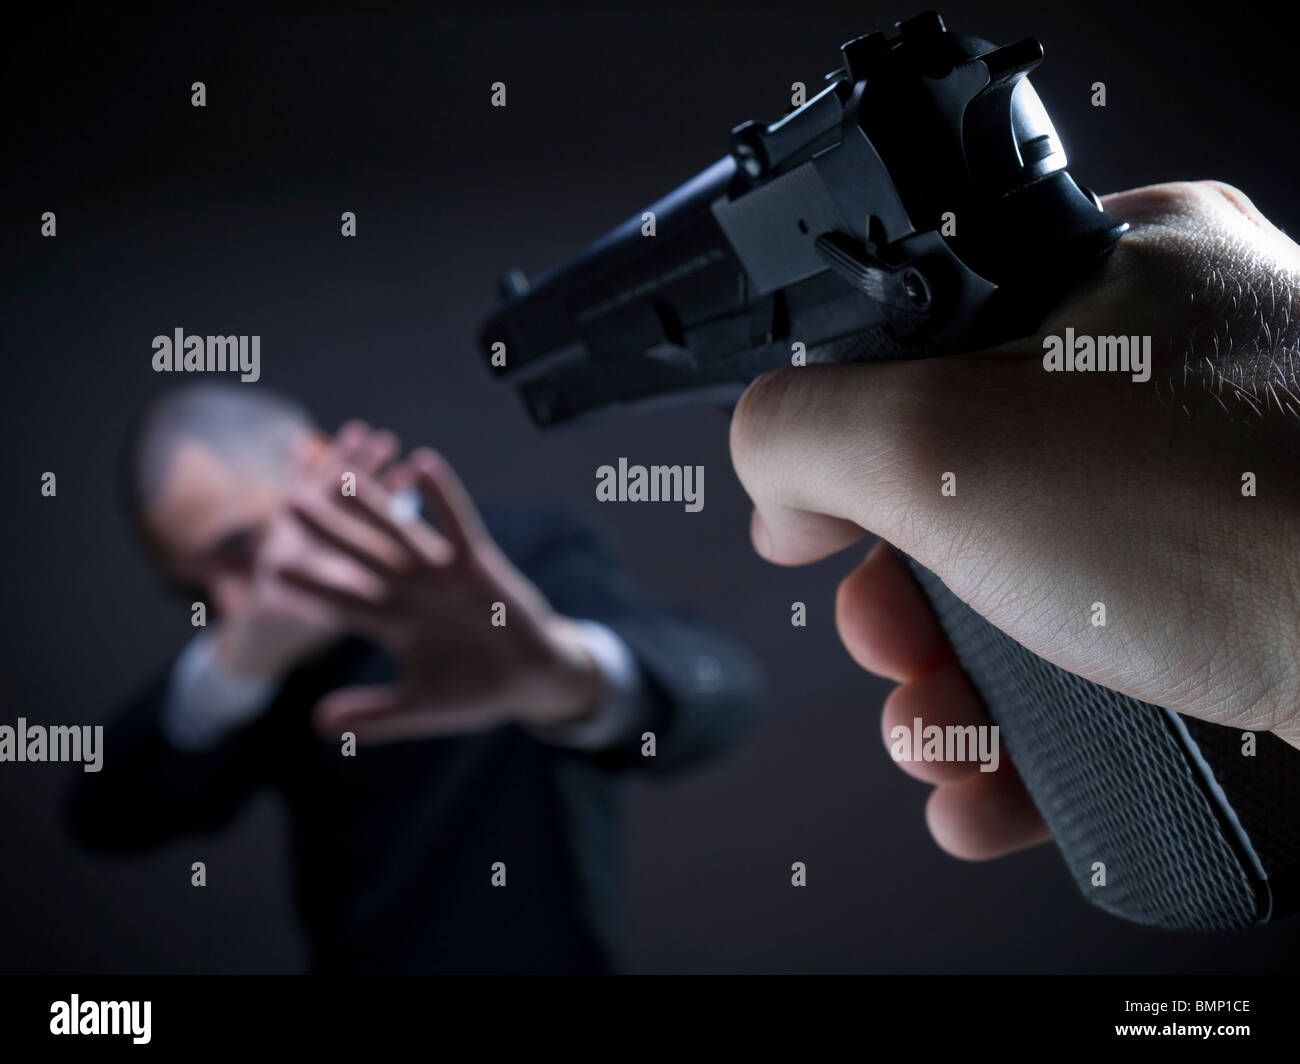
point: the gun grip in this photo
(1192, 834)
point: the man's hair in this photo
(252, 431)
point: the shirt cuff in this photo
(206, 701)
(625, 708)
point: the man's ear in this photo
(311, 450)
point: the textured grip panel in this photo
(1117, 781)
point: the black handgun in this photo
(917, 206)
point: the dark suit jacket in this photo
(393, 849)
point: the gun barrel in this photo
(620, 322)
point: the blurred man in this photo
(496, 676)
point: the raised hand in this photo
(431, 598)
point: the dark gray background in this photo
(226, 220)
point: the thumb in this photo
(351, 707)
(828, 453)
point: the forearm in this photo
(617, 705)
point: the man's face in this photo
(207, 523)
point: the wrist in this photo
(570, 687)
(240, 651)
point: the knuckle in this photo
(301, 497)
(430, 462)
(755, 416)
(1182, 198)
(1198, 202)
(1221, 193)
(402, 565)
(350, 431)
(387, 597)
(1174, 206)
